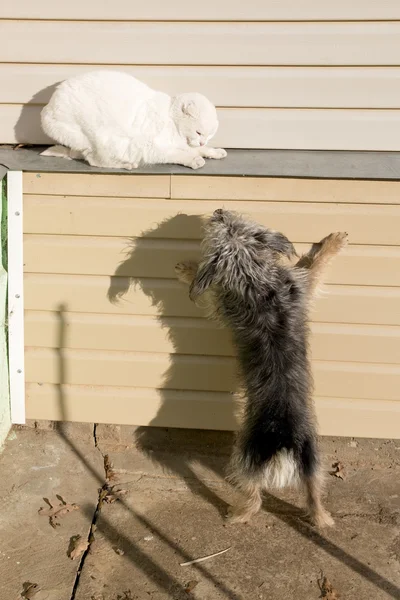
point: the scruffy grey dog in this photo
(254, 287)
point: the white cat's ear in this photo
(188, 108)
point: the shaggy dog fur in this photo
(256, 289)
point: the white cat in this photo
(113, 120)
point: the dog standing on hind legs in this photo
(250, 285)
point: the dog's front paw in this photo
(197, 162)
(186, 271)
(337, 241)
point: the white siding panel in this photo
(301, 129)
(285, 87)
(223, 10)
(351, 43)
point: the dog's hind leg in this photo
(320, 256)
(317, 513)
(249, 505)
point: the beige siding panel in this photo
(80, 293)
(131, 406)
(358, 304)
(279, 43)
(138, 369)
(357, 343)
(126, 333)
(284, 87)
(301, 129)
(224, 10)
(72, 184)
(280, 128)
(285, 190)
(201, 373)
(197, 410)
(83, 294)
(358, 265)
(182, 219)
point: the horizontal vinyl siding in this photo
(223, 10)
(89, 294)
(294, 129)
(130, 186)
(239, 43)
(229, 86)
(194, 372)
(369, 224)
(99, 256)
(89, 255)
(131, 333)
(282, 74)
(197, 410)
(213, 188)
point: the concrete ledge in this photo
(247, 163)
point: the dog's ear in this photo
(279, 243)
(203, 280)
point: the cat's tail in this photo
(62, 152)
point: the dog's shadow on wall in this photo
(28, 123)
(175, 449)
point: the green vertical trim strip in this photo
(3, 214)
(5, 416)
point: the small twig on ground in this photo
(203, 558)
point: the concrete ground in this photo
(151, 499)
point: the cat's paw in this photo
(130, 166)
(219, 153)
(197, 162)
(216, 153)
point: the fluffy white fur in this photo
(113, 120)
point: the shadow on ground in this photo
(173, 513)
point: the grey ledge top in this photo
(318, 164)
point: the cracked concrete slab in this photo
(174, 508)
(171, 511)
(34, 465)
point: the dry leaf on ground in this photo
(29, 590)
(338, 470)
(77, 546)
(189, 587)
(114, 495)
(55, 512)
(327, 590)
(108, 468)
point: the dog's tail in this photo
(275, 456)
